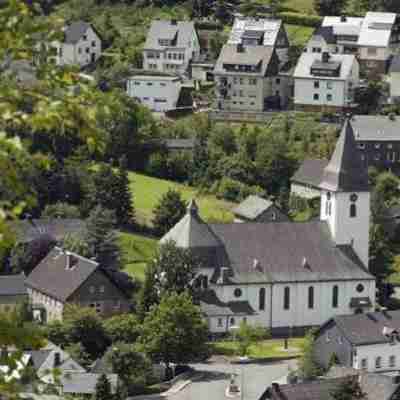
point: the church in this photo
(288, 276)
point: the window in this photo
(102, 289)
(93, 43)
(361, 146)
(261, 299)
(316, 96)
(219, 322)
(91, 289)
(237, 292)
(335, 296)
(329, 97)
(316, 84)
(117, 304)
(392, 361)
(377, 145)
(329, 208)
(340, 340)
(389, 146)
(232, 321)
(353, 211)
(286, 298)
(378, 362)
(252, 81)
(87, 50)
(371, 51)
(205, 282)
(278, 81)
(360, 288)
(79, 50)
(329, 85)
(149, 84)
(311, 297)
(364, 363)
(241, 81)
(273, 216)
(136, 83)
(174, 56)
(163, 84)
(240, 93)
(84, 37)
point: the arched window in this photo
(286, 298)
(311, 297)
(353, 211)
(378, 362)
(335, 296)
(261, 299)
(330, 208)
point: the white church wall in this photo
(371, 352)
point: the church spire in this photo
(346, 172)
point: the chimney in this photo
(57, 360)
(305, 263)
(239, 48)
(174, 22)
(343, 18)
(325, 57)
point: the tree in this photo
(76, 244)
(349, 389)
(101, 237)
(123, 328)
(132, 366)
(171, 271)
(174, 331)
(79, 354)
(308, 367)
(124, 212)
(61, 210)
(168, 212)
(103, 388)
(247, 335)
(330, 7)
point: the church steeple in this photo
(346, 172)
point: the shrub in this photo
(233, 190)
(300, 19)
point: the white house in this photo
(324, 81)
(288, 276)
(159, 93)
(81, 45)
(394, 79)
(170, 46)
(369, 342)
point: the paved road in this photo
(215, 378)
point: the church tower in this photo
(345, 197)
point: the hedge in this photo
(300, 19)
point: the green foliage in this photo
(79, 354)
(248, 335)
(300, 19)
(169, 211)
(103, 388)
(174, 331)
(233, 190)
(61, 210)
(122, 328)
(307, 365)
(349, 389)
(330, 7)
(76, 244)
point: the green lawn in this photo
(298, 34)
(272, 348)
(300, 6)
(147, 192)
(137, 250)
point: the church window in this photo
(219, 322)
(205, 282)
(364, 363)
(378, 362)
(262, 299)
(232, 321)
(353, 210)
(335, 296)
(328, 195)
(329, 208)
(360, 288)
(311, 297)
(286, 298)
(237, 292)
(392, 361)
(353, 198)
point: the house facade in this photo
(249, 273)
(81, 45)
(159, 93)
(325, 82)
(67, 278)
(13, 293)
(170, 46)
(365, 341)
(394, 79)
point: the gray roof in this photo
(53, 278)
(346, 171)
(56, 228)
(24, 71)
(182, 32)
(280, 250)
(252, 206)
(12, 285)
(395, 64)
(211, 305)
(367, 328)
(74, 31)
(326, 32)
(251, 55)
(375, 128)
(310, 172)
(84, 383)
(39, 357)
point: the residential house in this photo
(66, 278)
(81, 45)
(364, 341)
(307, 179)
(13, 292)
(159, 93)
(248, 79)
(373, 39)
(394, 79)
(256, 209)
(325, 82)
(170, 46)
(248, 274)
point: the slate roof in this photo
(310, 172)
(84, 383)
(74, 31)
(367, 328)
(56, 228)
(252, 206)
(38, 357)
(183, 32)
(306, 60)
(346, 171)
(326, 32)
(12, 285)
(395, 64)
(251, 55)
(53, 278)
(280, 250)
(375, 128)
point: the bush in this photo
(300, 19)
(233, 190)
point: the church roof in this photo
(345, 172)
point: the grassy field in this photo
(298, 34)
(301, 6)
(148, 191)
(272, 348)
